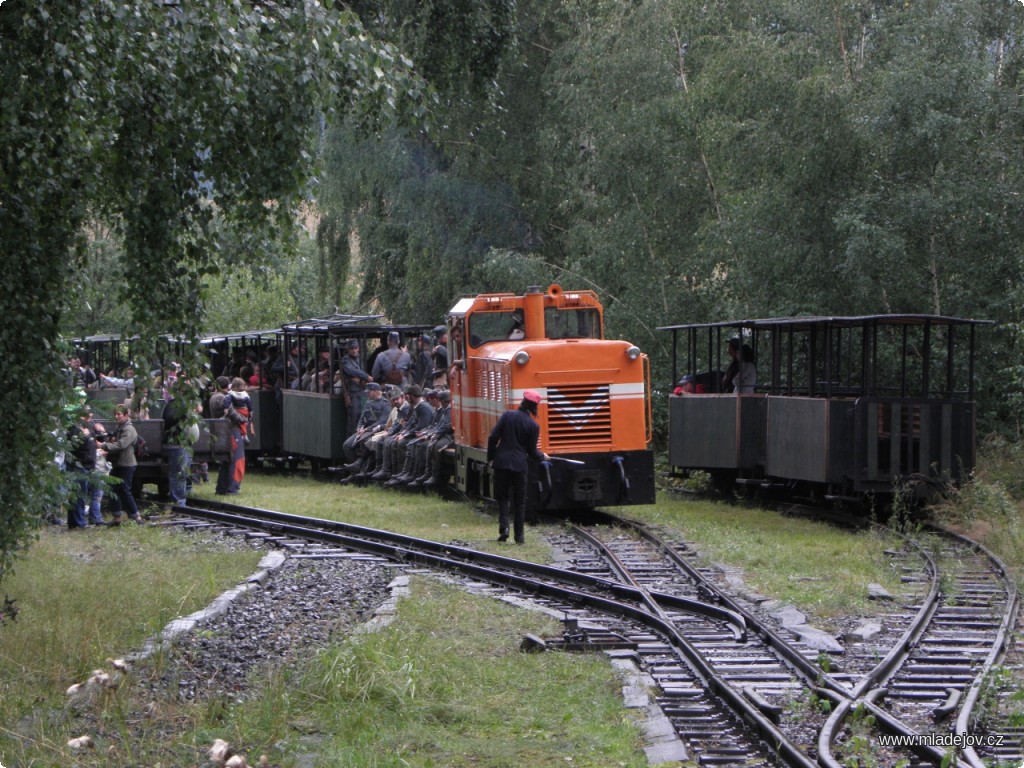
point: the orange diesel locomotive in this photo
(595, 415)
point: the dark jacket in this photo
(175, 420)
(83, 449)
(355, 377)
(375, 413)
(422, 417)
(513, 441)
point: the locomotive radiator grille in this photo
(579, 415)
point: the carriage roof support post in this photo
(866, 356)
(949, 360)
(675, 361)
(927, 359)
(903, 364)
(828, 360)
(812, 359)
(714, 353)
(789, 362)
(970, 368)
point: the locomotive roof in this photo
(851, 321)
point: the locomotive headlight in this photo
(633, 353)
(522, 357)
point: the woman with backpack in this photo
(120, 447)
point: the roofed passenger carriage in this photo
(315, 421)
(842, 407)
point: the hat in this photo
(425, 338)
(414, 390)
(392, 392)
(441, 329)
(430, 393)
(352, 344)
(445, 396)
(373, 386)
(532, 395)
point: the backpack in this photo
(140, 448)
(394, 376)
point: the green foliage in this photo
(718, 160)
(145, 126)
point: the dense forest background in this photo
(234, 164)
(690, 160)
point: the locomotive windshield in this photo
(572, 323)
(495, 326)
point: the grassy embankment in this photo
(444, 685)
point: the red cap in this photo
(532, 395)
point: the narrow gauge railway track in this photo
(726, 715)
(930, 680)
(934, 670)
(763, 667)
(735, 731)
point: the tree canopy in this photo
(156, 124)
(719, 160)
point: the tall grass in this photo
(817, 567)
(990, 508)
(445, 685)
(86, 596)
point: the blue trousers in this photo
(179, 466)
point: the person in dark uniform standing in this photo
(511, 444)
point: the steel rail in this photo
(997, 652)
(426, 552)
(740, 702)
(405, 547)
(809, 671)
(800, 664)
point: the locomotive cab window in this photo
(485, 327)
(572, 323)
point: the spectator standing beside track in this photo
(511, 444)
(217, 399)
(237, 411)
(80, 463)
(176, 440)
(97, 480)
(121, 454)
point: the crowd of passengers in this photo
(399, 420)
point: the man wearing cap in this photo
(374, 414)
(511, 444)
(392, 365)
(429, 459)
(355, 379)
(440, 353)
(366, 466)
(423, 367)
(420, 416)
(412, 466)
